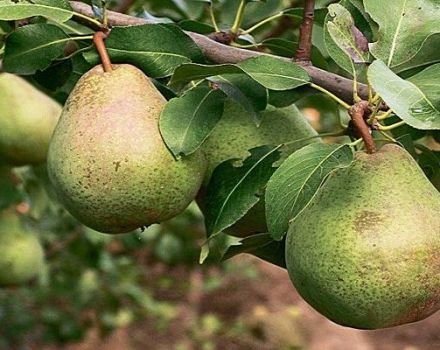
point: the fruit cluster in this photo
(364, 252)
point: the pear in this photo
(366, 251)
(236, 133)
(22, 256)
(107, 160)
(27, 120)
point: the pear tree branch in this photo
(357, 113)
(219, 53)
(305, 33)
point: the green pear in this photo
(107, 160)
(236, 133)
(22, 256)
(366, 251)
(27, 120)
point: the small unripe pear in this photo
(22, 256)
(27, 120)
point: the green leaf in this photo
(73, 28)
(188, 120)
(270, 72)
(157, 49)
(343, 32)
(275, 74)
(191, 71)
(261, 245)
(79, 67)
(245, 91)
(404, 26)
(361, 18)
(233, 190)
(287, 48)
(416, 101)
(57, 10)
(33, 47)
(9, 194)
(293, 185)
(429, 161)
(195, 26)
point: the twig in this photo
(219, 53)
(357, 114)
(98, 40)
(238, 17)
(305, 33)
(392, 126)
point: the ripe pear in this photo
(22, 256)
(107, 160)
(236, 133)
(366, 251)
(27, 120)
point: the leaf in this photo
(261, 245)
(404, 26)
(9, 194)
(79, 67)
(275, 74)
(344, 42)
(233, 190)
(245, 91)
(195, 26)
(157, 49)
(56, 10)
(428, 54)
(33, 47)
(287, 48)
(361, 18)
(429, 161)
(72, 28)
(345, 34)
(270, 72)
(188, 120)
(191, 71)
(293, 185)
(416, 101)
(149, 17)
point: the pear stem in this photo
(357, 113)
(98, 40)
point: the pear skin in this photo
(107, 160)
(366, 251)
(22, 255)
(236, 133)
(27, 120)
